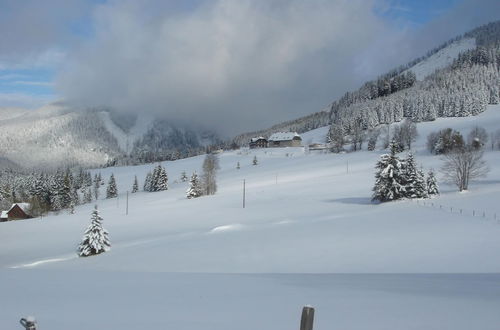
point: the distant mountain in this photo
(458, 78)
(57, 136)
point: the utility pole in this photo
(243, 193)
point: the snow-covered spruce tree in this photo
(111, 191)
(148, 182)
(414, 181)
(135, 186)
(87, 195)
(161, 179)
(195, 188)
(95, 240)
(432, 186)
(421, 185)
(389, 177)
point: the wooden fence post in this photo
(307, 320)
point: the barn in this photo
(285, 139)
(18, 211)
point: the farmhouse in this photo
(258, 142)
(285, 139)
(17, 211)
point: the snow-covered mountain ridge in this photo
(57, 135)
(442, 58)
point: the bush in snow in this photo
(477, 138)
(444, 141)
(95, 240)
(184, 176)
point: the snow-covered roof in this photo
(24, 206)
(4, 215)
(255, 139)
(283, 136)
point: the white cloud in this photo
(247, 63)
(241, 65)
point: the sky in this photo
(231, 66)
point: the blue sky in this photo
(64, 50)
(416, 13)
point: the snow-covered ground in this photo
(442, 58)
(306, 213)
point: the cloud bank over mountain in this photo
(231, 65)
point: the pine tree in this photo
(161, 179)
(148, 182)
(421, 185)
(432, 186)
(95, 240)
(195, 189)
(135, 186)
(111, 191)
(255, 161)
(389, 178)
(87, 195)
(410, 177)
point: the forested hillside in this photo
(464, 87)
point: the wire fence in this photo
(477, 213)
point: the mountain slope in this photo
(298, 205)
(442, 58)
(458, 78)
(58, 136)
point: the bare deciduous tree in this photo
(210, 167)
(462, 165)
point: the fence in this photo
(476, 213)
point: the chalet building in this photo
(285, 139)
(18, 211)
(258, 142)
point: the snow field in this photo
(304, 213)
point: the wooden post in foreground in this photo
(307, 320)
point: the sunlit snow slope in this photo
(304, 213)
